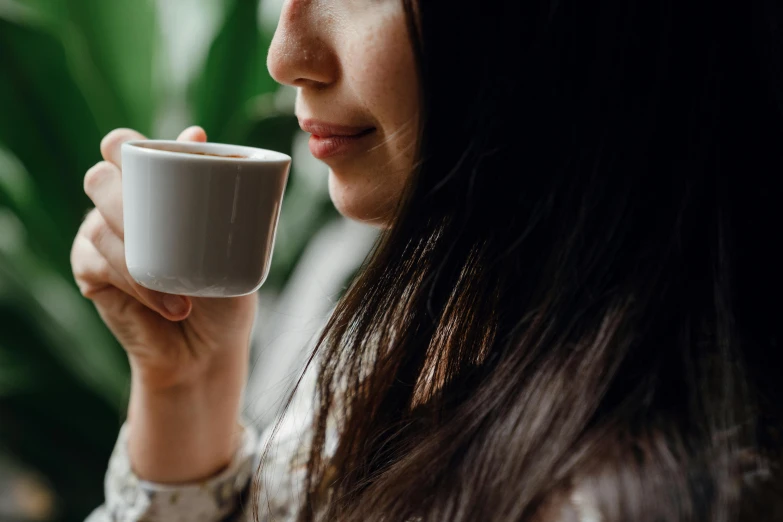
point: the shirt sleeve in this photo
(270, 467)
(219, 498)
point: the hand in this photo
(188, 355)
(170, 340)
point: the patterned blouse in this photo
(225, 497)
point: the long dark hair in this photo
(581, 290)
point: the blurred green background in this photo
(70, 71)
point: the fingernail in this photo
(175, 305)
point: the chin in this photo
(359, 202)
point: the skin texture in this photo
(352, 64)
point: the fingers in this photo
(112, 249)
(194, 133)
(103, 266)
(93, 272)
(103, 184)
(112, 143)
(105, 287)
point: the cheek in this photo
(382, 72)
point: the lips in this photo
(329, 140)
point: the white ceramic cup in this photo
(197, 221)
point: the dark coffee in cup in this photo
(185, 148)
(216, 155)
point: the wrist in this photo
(169, 375)
(187, 431)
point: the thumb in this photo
(194, 133)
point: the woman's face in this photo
(357, 94)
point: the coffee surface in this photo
(215, 155)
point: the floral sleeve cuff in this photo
(130, 499)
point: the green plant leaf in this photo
(118, 39)
(32, 12)
(46, 120)
(72, 71)
(15, 377)
(234, 73)
(74, 334)
(19, 200)
(54, 422)
(68, 322)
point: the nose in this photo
(300, 54)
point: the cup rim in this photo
(253, 154)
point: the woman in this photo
(572, 313)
